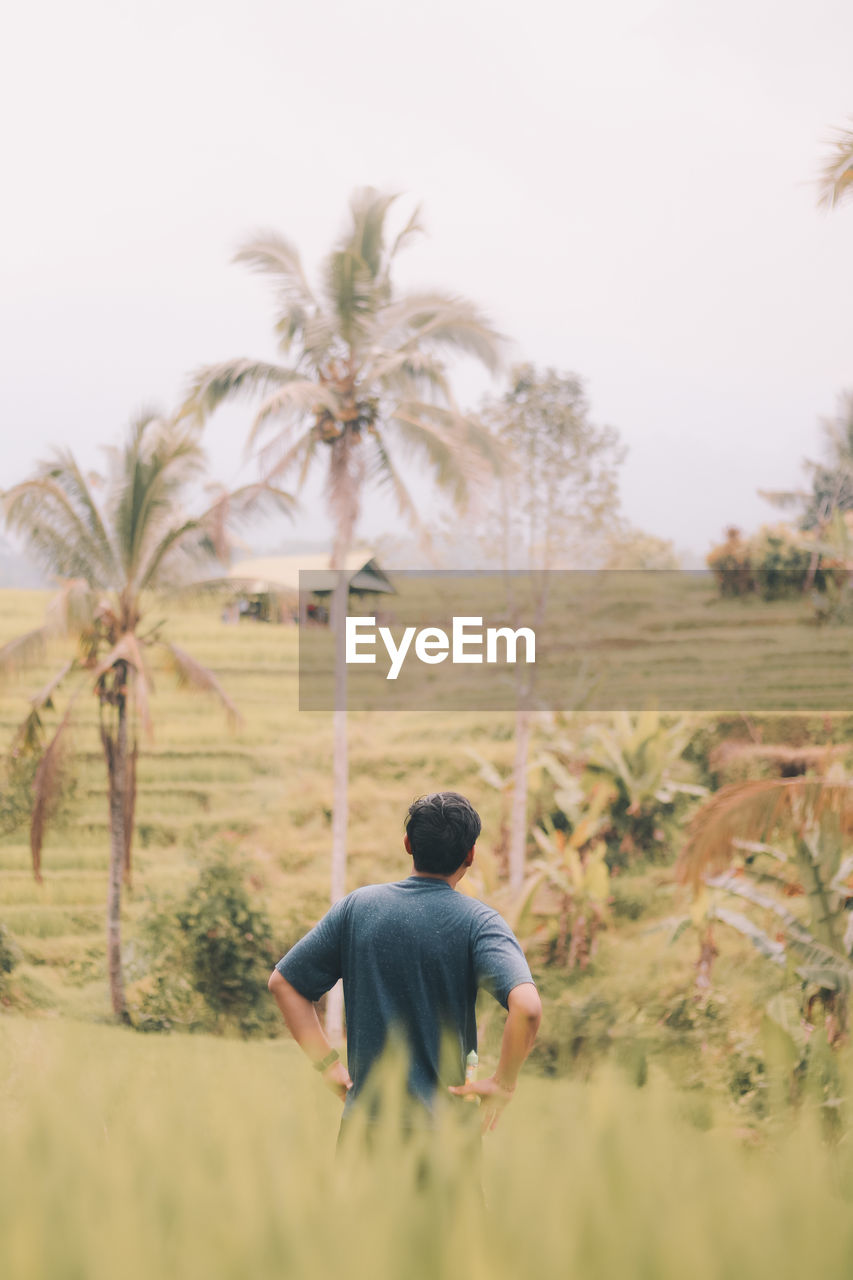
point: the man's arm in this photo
(304, 1025)
(522, 1023)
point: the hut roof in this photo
(280, 574)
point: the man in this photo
(412, 955)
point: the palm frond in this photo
(420, 321)
(743, 887)
(24, 651)
(279, 455)
(188, 541)
(419, 436)
(46, 785)
(271, 254)
(71, 611)
(229, 379)
(836, 177)
(56, 532)
(409, 374)
(300, 397)
(414, 227)
(459, 449)
(192, 674)
(769, 947)
(233, 507)
(366, 238)
(385, 474)
(149, 475)
(43, 700)
(297, 309)
(355, 273)
(754, 811)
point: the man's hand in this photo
(493, 1095)
(337, 1078)
(304, 1025)
(524, 1012)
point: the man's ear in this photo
(469, 856)
(407, 846)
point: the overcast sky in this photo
(627, 187)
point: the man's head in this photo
(441, 830)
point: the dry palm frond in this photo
(23, 651)
(43, 700)
(128, 650)
(231, 507)
(193, 674)
(806, 756)
(46, 784)
(755, 810)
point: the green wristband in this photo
(325, 1063)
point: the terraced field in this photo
(264, 787)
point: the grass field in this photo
(199, 1156)
(188, 1157)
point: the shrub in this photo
(774, 563)
(9, 959)
(731, 564)
(780, 558)
(204, 961)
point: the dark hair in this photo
(441, 827)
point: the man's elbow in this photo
(524, 1002)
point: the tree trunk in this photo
(116, 752)
(340, 780)
(129, 815)
(518, 819)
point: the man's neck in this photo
(451, 880)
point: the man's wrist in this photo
(323, 1064)
(502, 1084)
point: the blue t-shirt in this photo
(412, 955)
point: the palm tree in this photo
(361, 374)
(112, 541)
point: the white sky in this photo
(627, 187)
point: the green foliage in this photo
(17, 776)
(208, 958)
(10, 955)
(794, 899)
(776, 563)
(780, 558)
(635, 764)
(732, 565)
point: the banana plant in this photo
(574, 867)
(638, 758)
(563, 900)
(727, 854)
